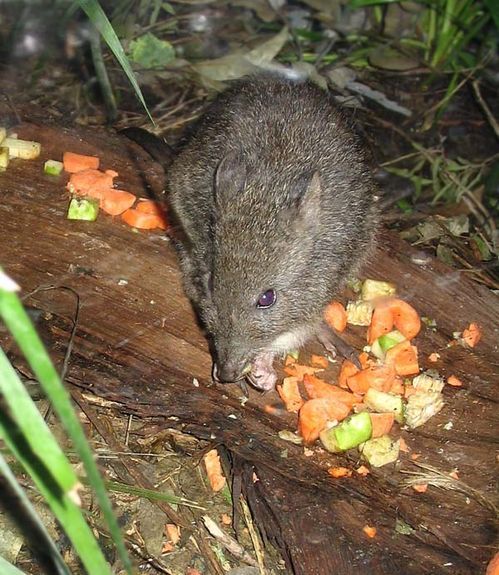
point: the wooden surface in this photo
(138, 345)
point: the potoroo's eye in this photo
(267, 299)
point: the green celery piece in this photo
(350, 433)
(53, 167)
(391, 339)
(382, 402)
(83, 209)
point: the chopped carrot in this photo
(337, 472)
(409, 390)
(272, 409)
(380, 377)
(390, 312)
(315, 414)
(454, 474)
(472, 335)
(192, 571)
(115, 202)
(403, 445)
(167, 547)
(172, 532)
(382, 423)
(214, 470)
(362, 470)
(404, 358)
(78, 162)
(405, 318)
(420, 487)
(454, 381)
(319, 361)
(365, 360)
(493, 566)
(151, 207)
(317, 388)
(381, 322)
(397, 386)
(142, 220)
(336, 316)
(434, 357)
(369, 531)
(90, 183)
(415, 456)
(290, 394)
(298, 370)
(348, 369)
(225, 519)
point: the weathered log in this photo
(138, 345)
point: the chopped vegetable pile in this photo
(91, 188)
(362, 408)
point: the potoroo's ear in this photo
(305, 200)
(230, 178)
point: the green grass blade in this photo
(97, 16)
(493, 8)
(7, 568)
(27, 436)
(19, 324)
(42, 533)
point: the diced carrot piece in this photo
(454, 474)
(409, 390)
(454, 381)
(298, 370)
(151, 207)
(272, 409)
(337, 472)
(315, 414)
(225, 519)
(142, 220)
(115, 202)
(382, 423)
(290, 394)
(420, 487)
(369, 531)
(398, 386)
(415, 456)
(89, 183)
(167, 547)
(405, 318)
(493, 566)
(434, 357)
(403, 445)
(390, 312)
(336, 316)
(380, 377)
(362, 470)
(316, 388)
(472, 334)
(319, 361)
(347, 369)
(214, 470)
(365, 360)
(381, 322)
(404, 358)
(74, 163)
(172, 532)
